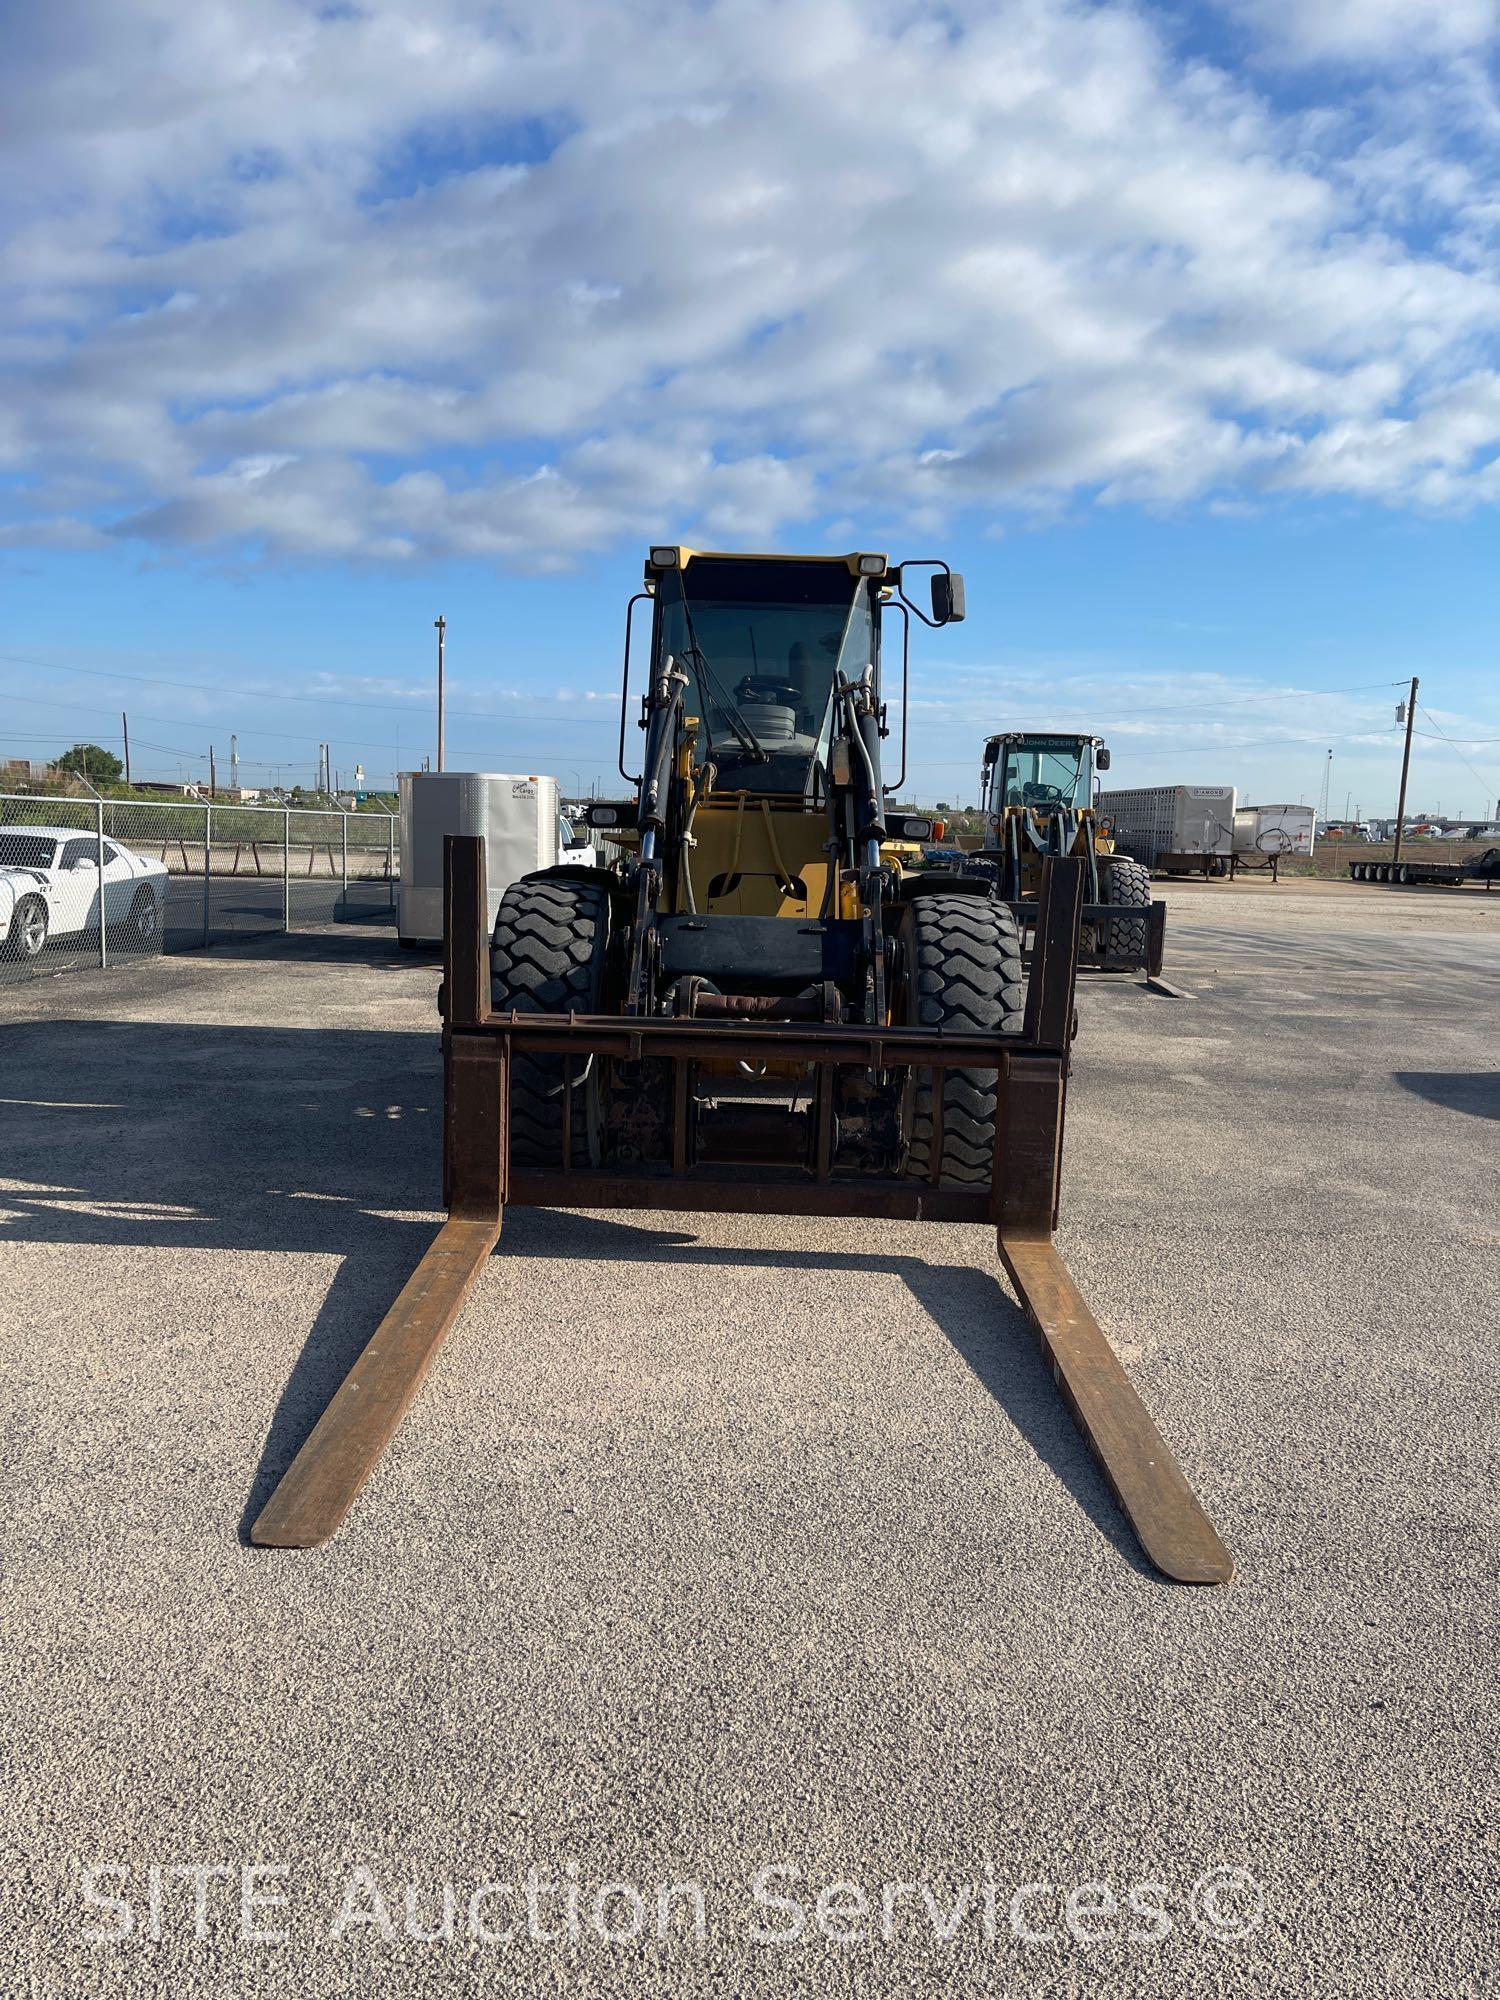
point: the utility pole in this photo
(213, 788)
(234, 763)
(442, 627)
(125, 729)
(1410, 706)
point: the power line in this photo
(238, 694)
(1486, 782)
(1230, 701)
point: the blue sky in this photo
(1175, 328)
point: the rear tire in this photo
(961, 969)
(547, 956)
(144, 922)
(1128, 885)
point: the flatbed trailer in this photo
(1484, 868)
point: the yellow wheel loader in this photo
(754, 1008)
(1037, 794)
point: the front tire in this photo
(548, 955)
(961, 970)
(27, 937)
(1126, 884)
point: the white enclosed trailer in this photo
(1177, 829)
(516, 817)
(1262, 830)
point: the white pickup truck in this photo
(50, 887)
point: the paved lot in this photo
(716, 1543)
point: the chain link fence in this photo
(87, 882)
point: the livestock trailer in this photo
(1173, 829)
(1262, 830)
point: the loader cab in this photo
(763, 641)
(1039, 774)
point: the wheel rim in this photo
(145, 919)
(33, 931)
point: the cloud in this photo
(1369, 30)
(513, 283)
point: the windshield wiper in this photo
(750, 743)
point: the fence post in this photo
(286, 871)
(99, 860)
(208, 863)
(344, 832)
(390, 860)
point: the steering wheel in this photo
(1038, 794)
(753, 689)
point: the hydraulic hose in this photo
(788, 882)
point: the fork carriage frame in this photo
(1021, 1203)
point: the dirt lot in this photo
(719, 1545)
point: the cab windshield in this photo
(761, 642)
(1048, 772)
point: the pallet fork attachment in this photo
(321, 1484)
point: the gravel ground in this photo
(717, 1545)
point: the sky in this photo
(1177, 328)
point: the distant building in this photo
(22, 771)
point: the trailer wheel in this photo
(547, 956)
(1127, 884)
(960, 969)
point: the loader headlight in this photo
(664, 558)
(871, 565)
(597, 815)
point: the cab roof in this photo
(674, 555)
(994, 744)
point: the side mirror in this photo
(947, 597)
(1101, 757)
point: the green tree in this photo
(89, 761)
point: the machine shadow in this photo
(1475, 1091)
(327, 1142)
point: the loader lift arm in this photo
(1020, 1202)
